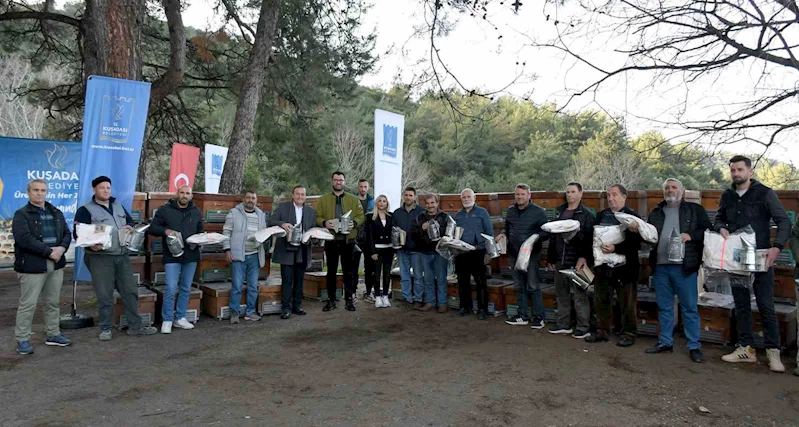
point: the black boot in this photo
(331, 305)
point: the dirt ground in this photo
(374, 367)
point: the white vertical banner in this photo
(389, 131)
(215, 157)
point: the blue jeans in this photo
(238, 270)
(670, 280)
(435, 278)
(528, 286)
(408, 260)
(178, 281)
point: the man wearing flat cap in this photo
(111, 268)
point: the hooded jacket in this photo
(188, 221)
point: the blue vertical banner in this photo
(114, 122)
(24, 160)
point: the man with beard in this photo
(677, 277)
(329, 210)
(748, 202)
(245, 255)
(434, 266)
(179, 215)
(409, 257)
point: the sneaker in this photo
(24, 347)
(253, 317)
(481, 315)
(774, 362)
(379, 302)
(517, 321)
(166, 327)
(285, 315)
(234, 318)
(329, 305)
(426, 307)
(58, 340)
(537, 323)
(105, 335)
(182, 323)
(741, 354)
(144, 330)
(580, 334)
(349, 305)
(386, 302)
(367, 296)
(596, 337)
(697, 356)
(463, 312)
(558, 330)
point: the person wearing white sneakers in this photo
(179, 215)
(750, 203)
(379, 249)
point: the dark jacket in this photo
(566, 254)
(285, 254)
(187, 221)
(423, 242)
(368, 206)
(520, 224)
(30, 253)
(627, 273)
(474, 223)
(376, 233)
(758, 206)
(693, 221)
(403, 219)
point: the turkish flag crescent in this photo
(183, 166)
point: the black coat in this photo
(376, 233)
(520, 224)
(30, 253)
(566, 254)
(423, 242)
(285, 253)
(757, 207)
(693, 221)
(188, 221)
(627, 273)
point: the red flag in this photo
(183, 167)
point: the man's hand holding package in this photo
(57, 253)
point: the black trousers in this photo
(335, 250)
(467, 265)
(385, 256)
(291, 289)
(627, 293)
(368, 270)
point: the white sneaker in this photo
(774, 362)
(182, 323)
(386, 302)
(379, 302)
(741, 354)
(166, 327)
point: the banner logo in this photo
(390, 141)
(217, 162)
(116, 116)
(56, 156)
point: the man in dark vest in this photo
(293, 260)
(111, 268)
(179, 215)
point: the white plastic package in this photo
(523, 261)
(93, 234)
(450, 248)
(647, 231)
(728, 254)
(562, 226)
(317, 233)
(608, 235)
(264, 234)
(206, 239)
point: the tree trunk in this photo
(241, 140)
(111, 38)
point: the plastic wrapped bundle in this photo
(318, 234)
(608, 235)
(450, 248)
(264, 234)
(206, 239)
(93, 234)
(562, 226)
(647, 231)
(730, 254)
(523, 261)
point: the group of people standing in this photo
(42, 237)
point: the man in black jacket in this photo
(409, 257)
(675, 272)
(41, 237)
(523, 220)
(179, 215)
(623, 278)
(749, 202)
(564, 254)
(434, 265)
